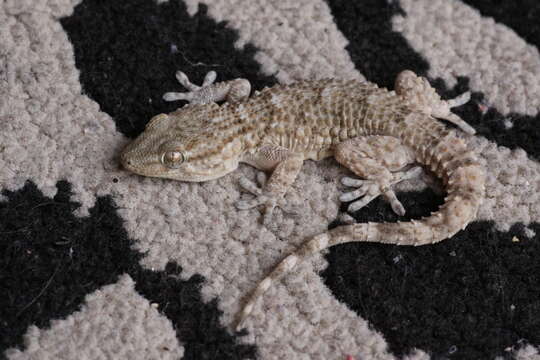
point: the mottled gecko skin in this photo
(374, 132)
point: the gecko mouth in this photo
(128, 165)
(151, 171)
(126, 160)
(137, 164)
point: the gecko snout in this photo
(126, 163)
(126, 160)
(137, 160)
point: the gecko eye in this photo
(172, 159)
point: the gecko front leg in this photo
(210, 91)
(284, 165)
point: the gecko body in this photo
(376, 133)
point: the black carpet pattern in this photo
(490, 123)
(469, 297)
(51, 260)
(152, 41)
(378, 52)
(466, 298)
(522, 16)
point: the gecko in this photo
(383, 137)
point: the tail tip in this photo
(239, 326)
(243, 316)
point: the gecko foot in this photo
(269, 201)
(210, 91)
(421, 95)
(368, 190)
(196, 94)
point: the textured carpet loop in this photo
(96, 262)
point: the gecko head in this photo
(181, 150)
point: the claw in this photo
(351, 182)
(250, 204)
(209, 78)
(459, 100)
(194, 94)
(367, 190)
(396, 205)
(269, 201)
(250, 187)
(262, 178)
(358, 204)
(174, 96)
(184, 81)
(269, 212)
(355, 194)
(291, 210)
(346, 219)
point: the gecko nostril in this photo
(125, 161)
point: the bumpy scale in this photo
(374, 132)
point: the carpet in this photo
(98, 263)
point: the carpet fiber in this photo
(98, 263)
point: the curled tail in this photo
(464, 178)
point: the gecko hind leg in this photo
(368, 190)
(421, 96)
(373, 158)
(210, 91)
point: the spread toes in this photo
(365, 192)
(262, 198)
